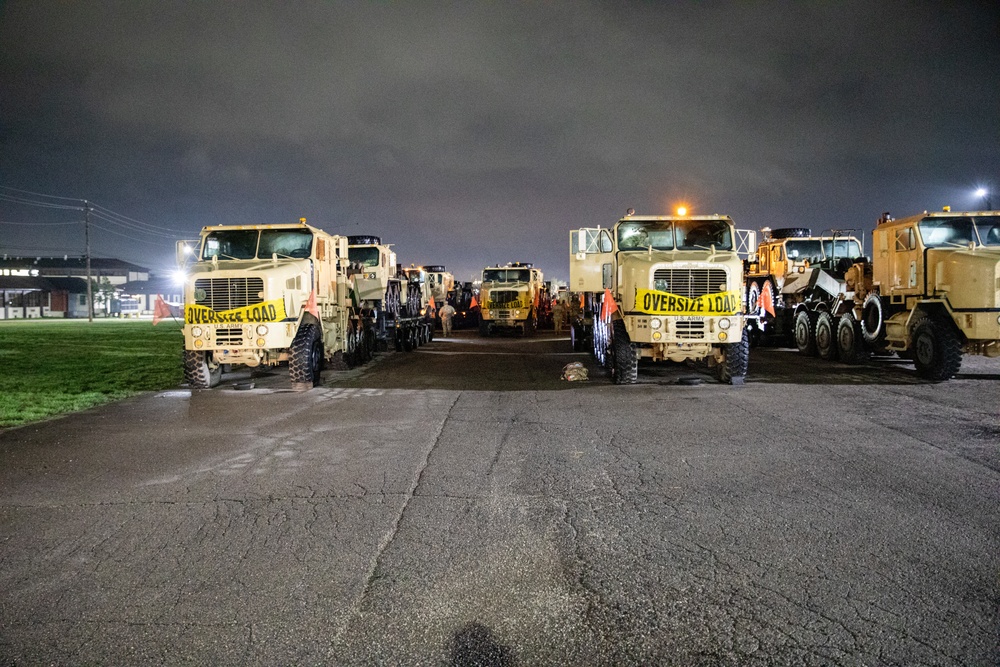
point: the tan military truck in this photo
(663, 288)
(509, 298)
(260, 295)
(383, 292)
(931, 292)
(792, 279)
(442, 283)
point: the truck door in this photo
(907, 269)
(590, 259)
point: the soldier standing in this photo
(447, 312)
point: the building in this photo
(32, 287)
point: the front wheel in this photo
(200, 370)
(937, 352)
(733, 369)
(625, 363)
(305, 361)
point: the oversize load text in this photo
(269, 311)
(654, 302)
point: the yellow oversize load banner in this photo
(654, 302)
(269, 311)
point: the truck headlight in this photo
(261, 330)
(724, 323)
(196, 332)
(656, 323)
(517, 312)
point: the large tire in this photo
(430, 332)
(826, 336)
(305, 361)
(733, 369)
(625, 363)
(804, 330)
(575, 338)
(753, 299)
(599, 342)
(873, 320)
(791, 232)
(409, 339)
(484, 328)
(937, 351)
(198, 370)
(851, 346)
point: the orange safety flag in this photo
(767, 298)
(433, 305)
(310, 306)
(608, 306)
(161, 310)
(581, 302)
(473, 303)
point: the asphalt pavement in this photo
(463, 505)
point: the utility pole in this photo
(86, 233)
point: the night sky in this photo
(470, 133)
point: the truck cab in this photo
(509, 297)
(663, 288)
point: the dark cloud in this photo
(469, 133)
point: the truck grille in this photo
(690, 329)
(229, 337)
(228, 293)
(691, 283)
(503, 296)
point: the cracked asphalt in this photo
(461, 505)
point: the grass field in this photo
(53, 367)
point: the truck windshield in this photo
(817, 250)
(366, 256)
(947, 232)
(506, 275)
(254, 243)
(674, 234)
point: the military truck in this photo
(383, 291)
(793, 278)
(931, 292)
(663, 288)
(420, 301)
(509, 298)
(260, 295)
(442, 283)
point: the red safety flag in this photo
(608, 306)
(473, 303)
(161, 310)
(310, 306)
(767, 298)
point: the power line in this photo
(111, 231)
(39, 194)
(38, 224)
(39, 204)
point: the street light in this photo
(984, 194)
